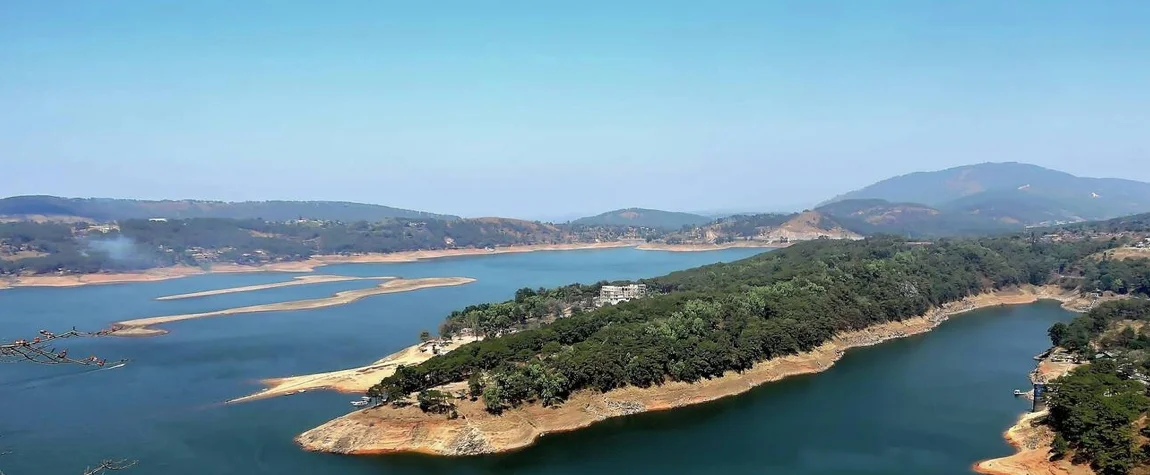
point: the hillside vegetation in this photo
(136, 244)
(107, 209)
(727, 317)
(1012, 193)
(647, 218)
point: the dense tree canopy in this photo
(725, 317)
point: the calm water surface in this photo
(933, 403)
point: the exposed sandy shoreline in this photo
(1033, 441)
(710, 247)
(143, 326)
(389, 430)
(299, 280)
(309, 265)
(352, 380)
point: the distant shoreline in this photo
(386, 430)
(309, 265)
(145, 326)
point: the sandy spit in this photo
(299, 280)
(389, 430)
(143, 326)
(352, 380)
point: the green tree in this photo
(493, 399)
(424, 336)
(475, 385)
(1057, 333)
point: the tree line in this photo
(727, 317)
(1094, 408)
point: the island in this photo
(554, 360)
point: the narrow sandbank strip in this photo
(390, 430)
(711, 247)
(143, 326)
(300, 280)
(308, 265)
(352, 380)
(149, 275)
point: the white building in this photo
(613, 294)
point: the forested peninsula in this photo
(726, 327)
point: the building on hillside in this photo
(613, 294)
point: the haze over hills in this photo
(1012, 193)
(648, 218)
(110, 209)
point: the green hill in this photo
(1012, 193)
(109, 209)
(639, 217)
(872, 216)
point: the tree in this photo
(493, 398)
(1059, 448)
(1057, 333)
(424, 336)
(475, 385)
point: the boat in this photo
(1018, 392)
(359, 403)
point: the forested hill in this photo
(1013, 193)
(726, 317)
(872, 216)
(108, 209)
(639, 217)
(29, 247)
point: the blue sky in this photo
(548, 109)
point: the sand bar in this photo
(654, 246)
(300, 280)
(390, 430)
(143, 326)
(353, 380)
(309, 265)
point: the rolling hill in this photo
(648, 218)
(871, 216)
(109, 209)
(1012, 193)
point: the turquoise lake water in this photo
(934, 403)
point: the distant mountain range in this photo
(108, 209)
(647, 218)
(1010, 193)
(967, 200)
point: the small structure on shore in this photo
(613, 294)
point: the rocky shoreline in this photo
(390, 430)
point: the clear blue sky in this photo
(541, 109)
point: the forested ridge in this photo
(135, 244)
(727, 317)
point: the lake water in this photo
(933, 403)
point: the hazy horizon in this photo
(547, 111)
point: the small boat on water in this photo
(359, 403)
(1019, 392)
